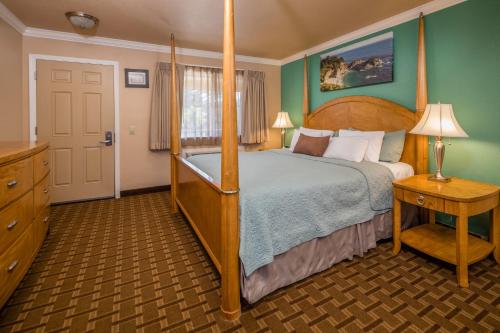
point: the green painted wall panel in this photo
(463, 64)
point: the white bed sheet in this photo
(400, 170)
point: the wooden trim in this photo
(200, 201)
(458, 189)
(305, 99)
(145, 190)
(202, 175)
(230, 217)
(421, 100)
(11, 152)
(495, 232)
(174, 128)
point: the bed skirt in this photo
(320, 254)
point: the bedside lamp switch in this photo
(131, 130)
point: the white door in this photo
(75, 114)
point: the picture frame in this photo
(364, 63)
(136, 78)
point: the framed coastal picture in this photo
(136, 78)
(364, 63)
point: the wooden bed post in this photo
(421, 100)
(174, 128)
(305, 101)
(230, 238)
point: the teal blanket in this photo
(287, 199)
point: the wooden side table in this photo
(460, 197)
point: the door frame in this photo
(116, 92)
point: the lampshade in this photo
(439, 120)
(282, 121)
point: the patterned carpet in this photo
(129, 265)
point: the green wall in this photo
(463, 67)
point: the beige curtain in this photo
(254, 127)
(159, 122)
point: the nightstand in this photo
(460, 197)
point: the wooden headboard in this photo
(368, 114)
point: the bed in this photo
(220, 197)
(294, 201)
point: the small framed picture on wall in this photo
(136, 78)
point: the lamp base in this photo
(436, 178)
(439, 155)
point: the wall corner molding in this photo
(387, 23)
(11, 19)
(112, 42)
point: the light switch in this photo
(131, 130)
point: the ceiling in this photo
(264, 28)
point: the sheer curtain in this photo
(202, 105)
(159, 121)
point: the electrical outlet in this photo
(131, 130)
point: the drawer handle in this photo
(12, 183)
(12, 266)
(46, 219)
(11, 225)
(420, 200)
(46, 191)
(45, 163)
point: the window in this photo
(202, 105)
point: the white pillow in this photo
(347, 148)
(308, 132)
(375, 139)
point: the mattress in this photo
(399, 170)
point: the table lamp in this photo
(438, 120)
(283, 121)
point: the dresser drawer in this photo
(14, 219)
(15, 179)
(41, 195)
(423, 200)
(40, 227)
(14, 263)
(41, 165)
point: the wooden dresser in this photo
(24, 210)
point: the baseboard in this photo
(79, 201)
(145, 190)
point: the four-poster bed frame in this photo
(212, 209)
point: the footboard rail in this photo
(201, 200)
(199, 197)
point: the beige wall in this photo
(10, 83)
(139, 166)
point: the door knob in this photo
(108, 138)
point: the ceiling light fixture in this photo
(82, 20)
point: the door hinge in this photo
(36, 130)
(35, 75)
